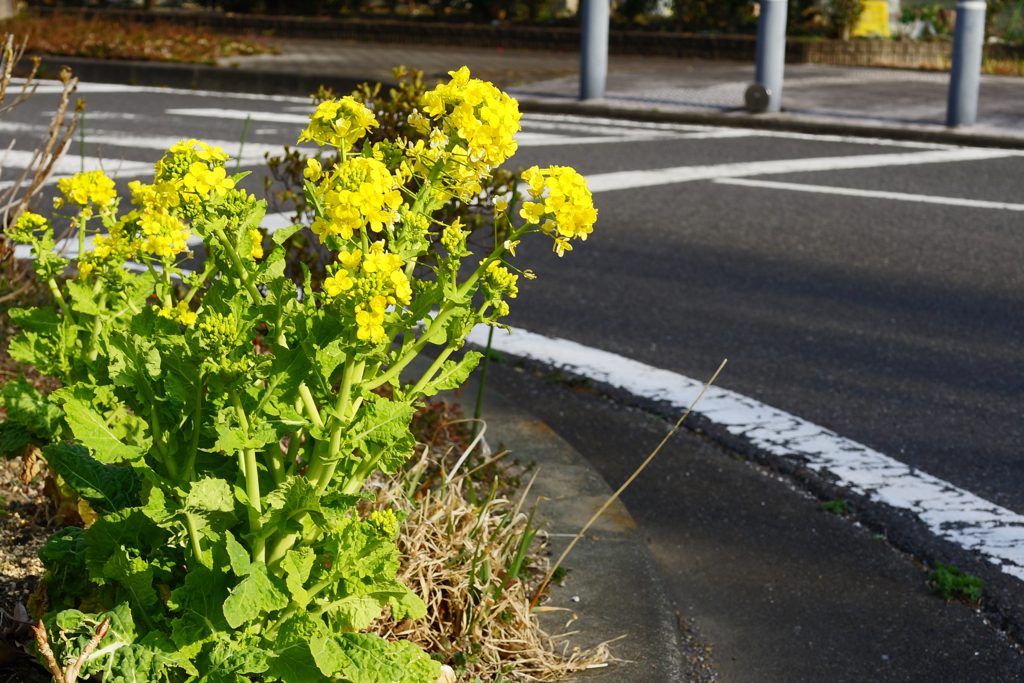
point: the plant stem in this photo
(97, 326)
(252, 482)
(210, 265)
(431, 371)
(243, 274)
(241, 145)
(483, 382)
(193, 537)
(193, 447)
(55, 291)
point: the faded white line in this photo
(950, 512)
(242, 114)
(623, 180)
(873, 194)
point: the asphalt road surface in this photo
(847, 281)
(893, 321)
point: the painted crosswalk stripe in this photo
(874, 194)
(950, 512)
(624, 180)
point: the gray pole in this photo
(594, 48)
(771, 53)
(965, 75)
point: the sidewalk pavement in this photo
(815, 98)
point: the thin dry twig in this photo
(551, 572)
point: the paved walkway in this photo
(873, 97)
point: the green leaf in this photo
(297, 564)
(452, 375)
(293, 662)
(381, 420)
(82, 298)
(200, 603)
(135, 575)
(237, 555)
(92, 430)
(14, 437)
(30, 408)
(211, 501)
(129, 529)
(108, 488)
(255, 594)
(371, 659)
(41, 320)
(281, 235)
(295, 495)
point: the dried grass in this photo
(460, 556)
(105, 38)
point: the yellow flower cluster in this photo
(567, 203)
(384, 523)
(203, 180)
(477, 113)
(257, 244)
(162, 195)
(91, 187)
(163, 234)
(26, 224)
(180, 314)
(374, 281)
(194, 168)
(360, 191)
(339, 123)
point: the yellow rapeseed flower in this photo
(91, 187)
(339, 123)
(202, 180)
(180, 313)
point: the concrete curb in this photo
(225, 79)
(616, 588)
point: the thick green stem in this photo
(81, 237)
(252, 481)
(55, 291)
(294, 443)
(193, 537)
(243, 274)
(310, 404)
(193, 446)
(97, 327)
(274, 464)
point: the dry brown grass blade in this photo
(454, 557)
(622, 488)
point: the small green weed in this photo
(558, 576)
(577, 382)
(951, 584)
(836, 507)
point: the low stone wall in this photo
(895, 53)
(891, 53)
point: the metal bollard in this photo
(594, 48)
(771, 58)
(965, 75)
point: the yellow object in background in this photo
(874, 19)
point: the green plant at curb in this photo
(836, 507)
(222, 423)
(951, 584)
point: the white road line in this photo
(242, 114)
(950, 512)
(623, 180)
(874, 194)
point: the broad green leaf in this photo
(92, 430)
(297, 564)
(41, 320)
(295, 496)
(14, 437)
(200, 604)
(255, 594)
(108, 488)
(292, 661)
(83, 300)
(237, 555)
(30, 408)
(356, 612)
(381, 420)
(135, 575)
